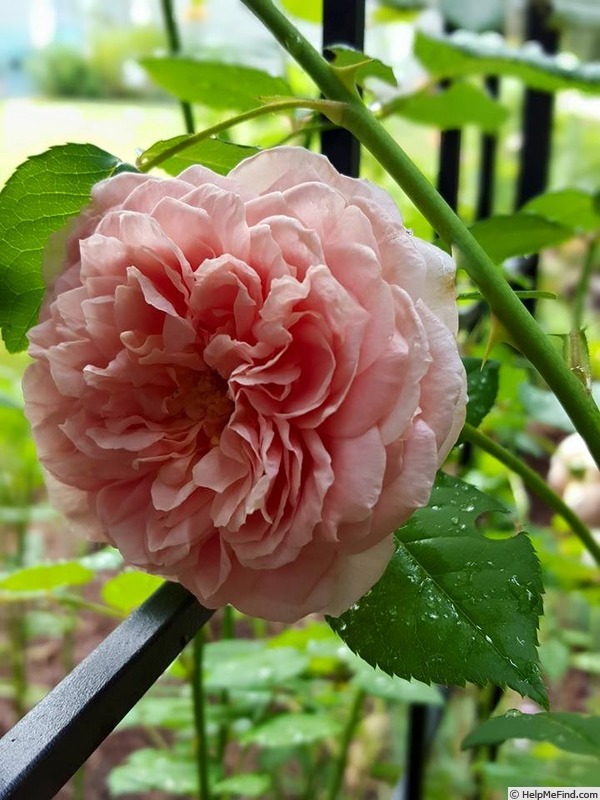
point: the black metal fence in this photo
(45, 749)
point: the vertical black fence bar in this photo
(538, 112)
(47, 747)
(448, 179)
(343, 23)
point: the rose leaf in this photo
(506, 235)
(482, 387)
(453, 606)
(354, 67)
(149, 769)
(292, 730)
(46, 577)
(574, 733)
(458, 105)
(213, 83)
(216, 154)
(574, 208)
(36, 201)
(249, 784)
(130, 589)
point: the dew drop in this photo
(513, 712)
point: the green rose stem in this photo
(527, 334)
(538, 486)
(227, 632)
(339, 768)
(202, 759)
(333, 110)
(175, 48)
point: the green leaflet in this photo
(214, 83)
(567, 731)
(46, 577)
(354, 67)
(129, 590)
(36, 201)
(507, 235)
(574, 208)
(150, 769)
(459, 105)
(216, 154)
(292, 730)
(259, 669)
(482, 387)
(453, 606)
(249, 784)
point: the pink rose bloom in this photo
(246, 383)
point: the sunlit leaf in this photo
(214, 83)
(263, 668)
(36, 201)
(459, 105)
(572, 208)
(216, 154)
(129, 590)
(589, 662)
(250, 784)
(453, 606)
(176, 713)
(567, 731)
(310, 10)
(46, 577)
(555, 657)
(220, 652)
(292, 730)
(466, 53)
(148, 769)
(507, 235)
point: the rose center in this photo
(204, 398)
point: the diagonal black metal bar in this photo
(55, 738)
(343, 23)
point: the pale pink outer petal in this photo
(357, 574)
(443, 389)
